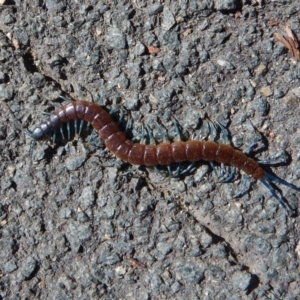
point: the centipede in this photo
(161, 154)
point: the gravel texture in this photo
(77, 224)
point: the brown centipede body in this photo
(152, 155)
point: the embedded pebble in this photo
(261, 70)
(190, 273)
(28, 267)
(75, 162)
(87, 197)
(168, 19)
(266, 91)
(116, 39)
(241, 280)
(155, 9)
(257, 245)
(10, 267)
(6, 92)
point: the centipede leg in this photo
(280, 158)
(212, 131)
(163, 133)
(81, 126)
(150, 135)
(203, 132)
(178, 136)
(69, 131)
(76, 126)
(224, 137)
(54, 137)
(230, 177)
(63, 98)
(157, 170)
(144, 135)
(246, 184)
(128, 126)
(186, 170)
(62, 133)
(93, 133)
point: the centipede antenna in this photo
(274, 178)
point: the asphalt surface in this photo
(75, 223)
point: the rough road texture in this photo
(75, 228)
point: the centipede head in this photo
(37, 134)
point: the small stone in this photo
(87, 197)
(261, 106)
(296, 91)
(73, 163)
(3, 77)
(278, 93)
(116, 39)
(10, 266)
(241, 280)
(139, 49)
(266, 91)
(7, 248)
(175, 287)
(109, 258)
(34, 99)
(226, 5)
(257, 245)
(190, 273)
(261, 70)
(168, 19)
(225, 64)
(6, 92)
(164, 248)
(29, 267)
(131, 103)
(55, 6)
(155, 9)
(65, 213)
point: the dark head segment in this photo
(41, 132)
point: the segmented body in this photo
(140, 154)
